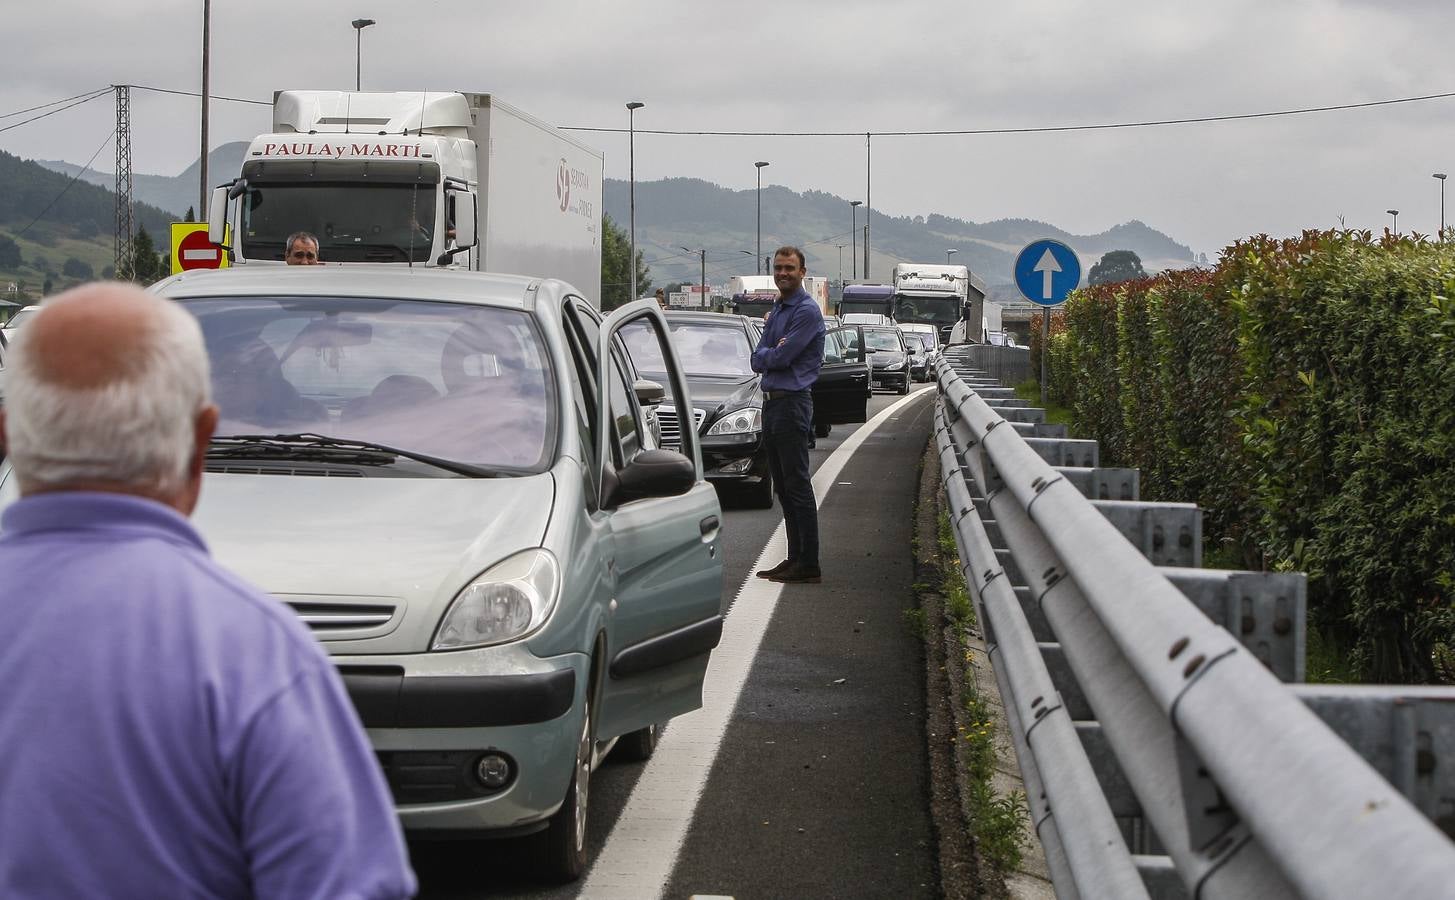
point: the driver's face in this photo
(303, 253)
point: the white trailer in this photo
(418, 178)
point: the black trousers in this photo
(787, 427)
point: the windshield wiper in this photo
(365, 451)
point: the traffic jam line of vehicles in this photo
(476, 490)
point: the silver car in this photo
(447, 475)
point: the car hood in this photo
(886, 358)
(401, 546)
(715, 396)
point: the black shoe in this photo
(798, 575)
(781, 567)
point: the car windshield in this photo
(459, 382)
(706, 350)
(882, 340)
(925, 339)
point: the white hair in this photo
(137, 430)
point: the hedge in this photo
(1302, 393)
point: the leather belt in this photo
(779, 395)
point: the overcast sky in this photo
(834, 65)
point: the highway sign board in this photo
(1046, 271)
(192, 250)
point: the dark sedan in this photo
(715, 350)
(889, 357)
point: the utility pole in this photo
(868, 199)
(206, 90)
(124, 246)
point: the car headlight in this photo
(895, 366)
(504, 603)
(739, 421)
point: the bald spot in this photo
(92, 335)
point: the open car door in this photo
(841, 393)
(667, 567)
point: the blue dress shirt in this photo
(798, 322)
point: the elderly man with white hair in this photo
(166, 729)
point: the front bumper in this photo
(735, 458)
(430, 717)
(883, 380)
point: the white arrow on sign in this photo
(1048, 267)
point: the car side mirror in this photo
(649, 393)
(654, 473)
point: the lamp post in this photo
(1395, 213)
(759, 166)
(948, 254)
(1441, 177)
(631, 263)
(853, 237)
(359, 26)
(703, 253)
(841, 268)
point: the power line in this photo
(142, 87)
(101, 93)
(20, 112)
(1041, 129)
(84, 169)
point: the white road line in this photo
(642, 849)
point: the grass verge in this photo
(1056, 414)
(999, 822)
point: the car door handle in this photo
(708, 525)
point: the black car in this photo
(727, 402)
(889, 357)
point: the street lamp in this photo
(206, 102)
(631, 115)
(948, 254)
(1441, 176)
(853, 236)
(759, 166)
(359, 26)
(1395, 213)
(703, 251)
(841, 268)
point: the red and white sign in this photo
(192, 250)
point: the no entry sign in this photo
(192, 250)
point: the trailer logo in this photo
(563, 185)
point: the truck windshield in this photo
(928, 310)
(881, 307)
(353, 222)
(752, 308)
(459, 382)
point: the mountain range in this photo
(677, 213)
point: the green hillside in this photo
(63, 230)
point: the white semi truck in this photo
(417, 178)
(754, 295)
(931, 295)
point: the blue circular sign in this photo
(1046, 271)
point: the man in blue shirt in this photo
(789, 355)
(166, 729)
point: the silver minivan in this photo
(450, 477)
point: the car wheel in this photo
(639, 745)
(566, 832)
(904, 386)
(822, 430)
(760, 495)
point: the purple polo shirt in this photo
(794, 366)
(167, 730)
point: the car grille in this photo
(672, 428)
(232, 468)
(431, 776)
(337, 621)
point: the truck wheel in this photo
(566, 833)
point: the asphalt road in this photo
(819, 784)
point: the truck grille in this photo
(672, 428)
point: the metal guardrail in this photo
(1007, 365)
(1165, 747)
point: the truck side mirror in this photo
(217, 216)
(465, 224)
